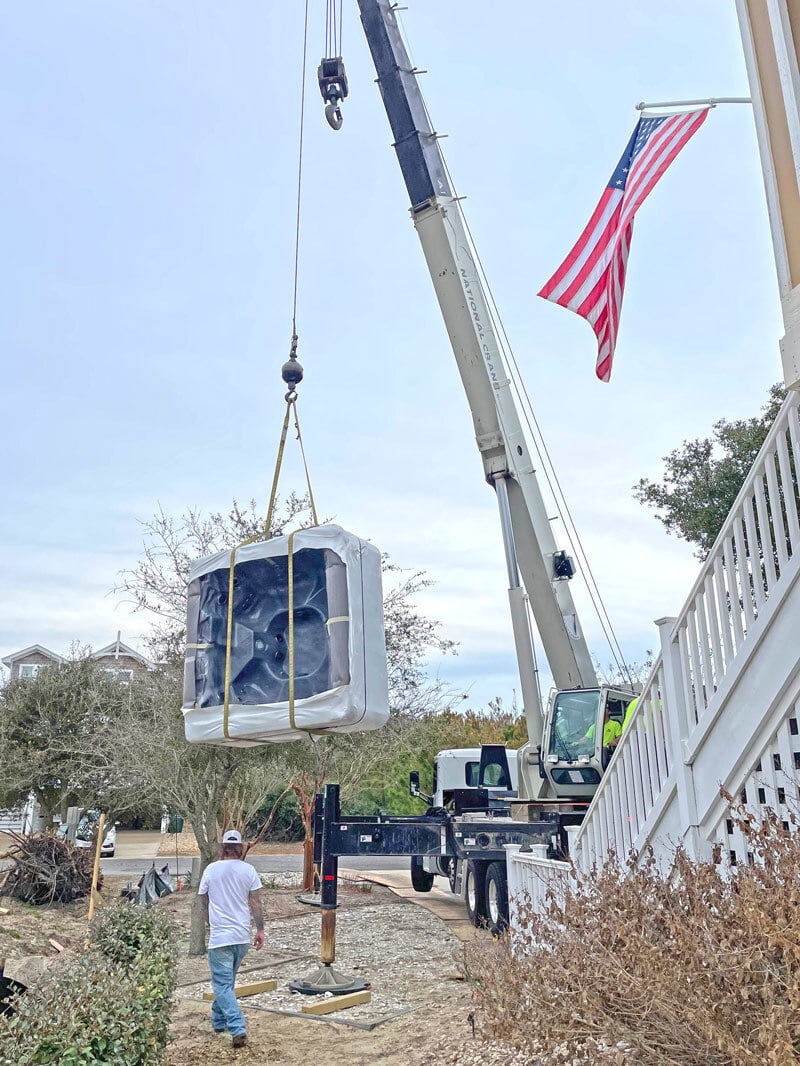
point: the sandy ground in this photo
(410, 1040)
(409, 957)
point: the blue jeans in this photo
(225, 1010)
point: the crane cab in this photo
(580, 733)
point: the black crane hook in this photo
(333, 87)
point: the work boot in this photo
(239, 1041)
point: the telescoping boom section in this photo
(535, 564)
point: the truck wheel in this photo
(421, 880)
(475, 892)
(496, 898)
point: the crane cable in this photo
(299, 178)
(333, 27)
(292, 374)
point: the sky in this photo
(147, 176)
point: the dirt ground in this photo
(409, 957)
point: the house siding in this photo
(124, 662)
(35, 658)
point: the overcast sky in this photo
(147, 173)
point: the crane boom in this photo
(528, 537)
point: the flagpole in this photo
(711, 101)
(770, 33)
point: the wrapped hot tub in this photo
(340, 682)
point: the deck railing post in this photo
(676, 727)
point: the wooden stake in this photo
(328, 1006)
(98, 846)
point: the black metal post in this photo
(326, 979)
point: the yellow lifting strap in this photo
(290, 403)
(290, 564)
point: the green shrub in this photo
(109, 1007)
(129, 931)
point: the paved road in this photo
(265, 864)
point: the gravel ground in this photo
(391, 965)
(494, 1053)
(282, 880)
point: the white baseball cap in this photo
(233, 836)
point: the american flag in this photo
(591, 280)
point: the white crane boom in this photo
(527, 533)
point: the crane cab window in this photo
(573, 715)
(472, 772)
(495, 776)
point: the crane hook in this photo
(333, 87)
(333, 113)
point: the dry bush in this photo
(48, 869)
(699, 964)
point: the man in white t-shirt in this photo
(229, 894)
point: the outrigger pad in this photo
(339, 650)
(326, 979)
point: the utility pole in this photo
(771, 36)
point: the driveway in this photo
(265, 864)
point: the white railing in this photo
(760, 535)
(532, 880)
(759, 541)
(635, 783)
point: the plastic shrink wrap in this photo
(340, 682)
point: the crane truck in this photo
(462, 833)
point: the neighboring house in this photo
(121, 661)
(116, 658)
(27, 819)
(26, 663)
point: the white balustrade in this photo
(648, 791)
(533, 880)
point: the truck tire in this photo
(475, 892)
(496, 898)
(421, 880)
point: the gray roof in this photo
(17, 655)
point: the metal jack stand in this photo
(326, 979)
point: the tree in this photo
(421, 738)
(703, 477)
(51, 730)
(152, 763)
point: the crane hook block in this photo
(333, 88)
